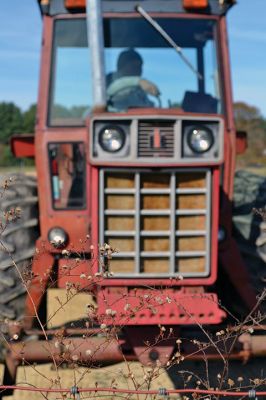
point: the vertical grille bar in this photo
(101, 209)
(137, 223)
(172, 222)
(208, 221)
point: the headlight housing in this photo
(58, 237)
(200, 139)
(112, 138)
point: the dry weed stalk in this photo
(223, 340)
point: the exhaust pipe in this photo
(96, 47)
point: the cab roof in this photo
(215, 7)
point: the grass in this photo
(258, 170)
(15, 169)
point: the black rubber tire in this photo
(249, 227)
(17, 241)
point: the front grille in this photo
(156, 139)
(159, 222)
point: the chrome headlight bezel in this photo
(196, 134)
(212, 130)
(58, 237)
(115, 133)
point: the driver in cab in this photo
(125, 87)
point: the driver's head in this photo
(129, 63)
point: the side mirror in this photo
(241, 142)
(22, 145)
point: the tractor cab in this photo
(141, 68)
(134, 137)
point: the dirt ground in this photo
(122, 375)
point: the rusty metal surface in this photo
(106, 348)
(80, 350)
(97, 349)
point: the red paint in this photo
(42, 266)
(184, 302)
(241, 142)
(156, 138)
(135, 391)
(22, 145)
(137, 306)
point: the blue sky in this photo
(20, 38)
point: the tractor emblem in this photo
(157, 139)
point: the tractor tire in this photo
(17, 241)
(249, 226)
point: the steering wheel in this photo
(126, 93)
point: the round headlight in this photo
(200, 139)
(58, 237)
(112, 138)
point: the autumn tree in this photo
(29, 118)
(249, 118)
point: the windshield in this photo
(142, 69)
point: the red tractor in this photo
(135, 150)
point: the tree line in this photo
(247, 117)
(14, 121)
